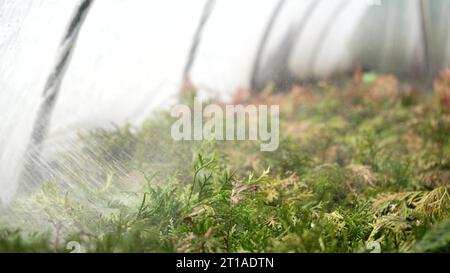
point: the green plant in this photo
(356, 165)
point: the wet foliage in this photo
(363, 165)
